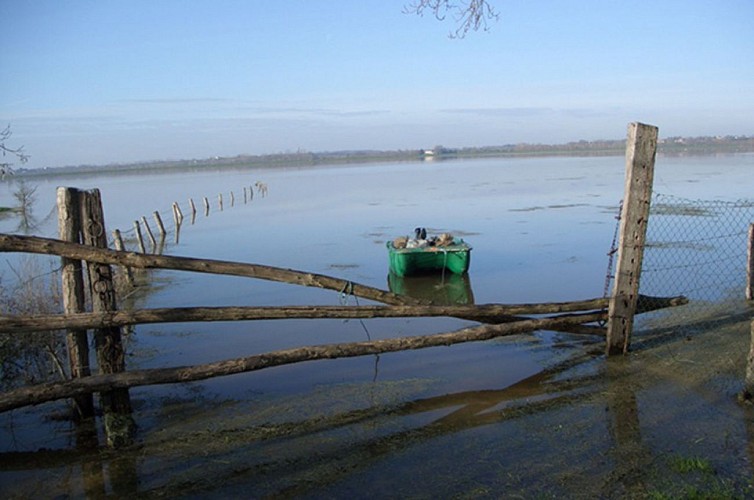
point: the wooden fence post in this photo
(116, 403)
(139, 237)
(160, 224)
(641, 147)
(118, 243)
(750, 266)
(149, 233)
(72, 277)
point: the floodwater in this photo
(529, 415)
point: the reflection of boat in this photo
(412, 261)
(441, 289)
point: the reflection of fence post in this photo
(641, 147)
(750, 266)
(749, 382)
(69, 227)
(116, 403)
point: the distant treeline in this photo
(667, 146)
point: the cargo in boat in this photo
(423, 255)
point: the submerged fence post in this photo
(641, 147)
(72, 277)
(139, 237)
(116, 403)
(149, 233)
(118, 243)
(160, 224)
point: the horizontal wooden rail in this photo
(496, 313)
(48, 246)
(51, 391)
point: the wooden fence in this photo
(82, 245)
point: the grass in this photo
(685, 465)
(698, 479)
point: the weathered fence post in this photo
(72, 278)
(641, 147)
(177, 214)
(149, 233)
(139, 237)
(160, 225)
(750, 266)
(118, 243)
(116, 403)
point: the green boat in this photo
(412, 261)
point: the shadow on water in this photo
(297, 456)
(582, 426)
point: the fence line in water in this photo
(157, 247)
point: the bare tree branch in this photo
(5, 167)
(469, 14)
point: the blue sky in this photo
(109, 81)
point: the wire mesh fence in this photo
(698, 249)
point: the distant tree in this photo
(5, 167)
(469, 14)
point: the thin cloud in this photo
(504, 112)
(174, 100)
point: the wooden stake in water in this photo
(139, 238)
(160, 225)
(641, 147)
(149, 233)
(69, 227)
(116, 403)
(118, 243)
(750, 266)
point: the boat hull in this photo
(413, 261)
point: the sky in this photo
(117, 81)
